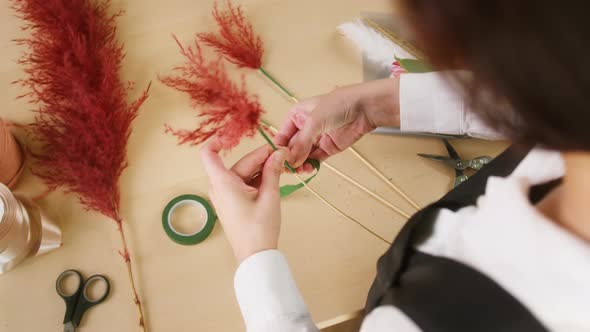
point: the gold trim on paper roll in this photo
(25, 231)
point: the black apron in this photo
(440, 294)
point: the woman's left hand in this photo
(246, 197)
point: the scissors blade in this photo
(433, 157)
(69, 327)
(451, 150)
(456, 164)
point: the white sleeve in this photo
(388, 318)
(268, 296)
(429, 104)
(270, 301)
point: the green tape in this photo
(287, 190)
(291, 188)
(194, 238)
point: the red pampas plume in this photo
(238, 43)
(227, 109)
(83, 120)
(236, 40)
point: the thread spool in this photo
(11, 157)
(24, 230)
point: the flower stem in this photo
(126, 258)
(279, 85)
(267, 124)
(274, 147)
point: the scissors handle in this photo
(85, 302)
(459, 179)
(78, 302)
(479, 162)
(71, 299)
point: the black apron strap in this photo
(440, 294)
(393, 261)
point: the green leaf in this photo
(414, 66)
(287, 190)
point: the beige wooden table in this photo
(191, 288)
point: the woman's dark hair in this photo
(533, 55)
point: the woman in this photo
(509, 250)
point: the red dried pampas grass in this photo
(238, 43)
(226, 108)
(83, 120)
(236, 40)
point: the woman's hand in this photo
(246, 197)
(322, 126)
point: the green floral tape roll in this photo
(188, 238)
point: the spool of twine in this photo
(11, 157)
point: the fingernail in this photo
(300, 119)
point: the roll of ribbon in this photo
(11, 157)
(188, 238)
(24, 230)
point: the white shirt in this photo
(503, 236)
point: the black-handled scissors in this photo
(79, 301)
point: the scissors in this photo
(78, 302)
(460, 165)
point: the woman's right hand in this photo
(322, 126)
